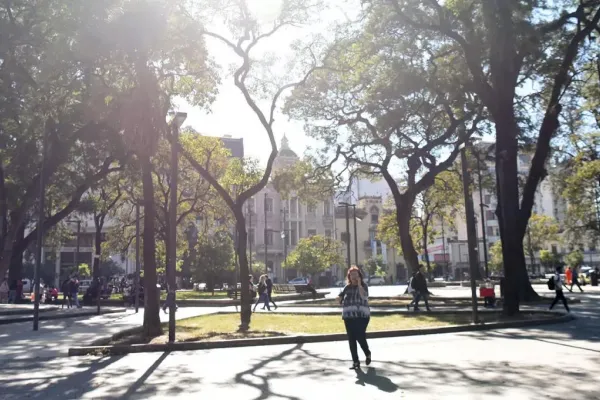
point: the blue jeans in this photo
(264, 297)
(75, 296)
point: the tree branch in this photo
(550, 124)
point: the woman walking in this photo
(356, 314)
(262, 293)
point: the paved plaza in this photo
(551, 362)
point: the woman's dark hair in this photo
(351, 269)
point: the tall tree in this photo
(156, 53)
(245, 33)
(315, 254)
(47, 97)
(380, 109)
(506, 44)
(542, 230)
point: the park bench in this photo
(284, 288)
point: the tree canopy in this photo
(315, 254)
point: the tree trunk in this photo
(403, 216)
(152, 325)
(517, 284)
(425, 251)
(97, 248)
(15, 269)
(245, 306)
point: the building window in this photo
(269, 205)
(327, 208)
(251, 205)
(554, 249)
(328, 233)
(269, 237)
(311, 209)
(270, 266)
(487, 199)
(294, 233)
(490, 215)
(251, 236)
(374, 211)
(490, 231)
(294, 206)
(312, 232)
(372, 234)
(344, 237)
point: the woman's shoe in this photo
(355, 366)
(368, 362)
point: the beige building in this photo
(368, 210)
(275, 225)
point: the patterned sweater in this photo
(353, 305)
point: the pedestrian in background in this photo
(269, 283)
(4, 291)
(170, 300)
(558, 288)
(74, 290)
(419, 283)
(575, 280)
(66, 291)
(356, 314)
(411, 291)
(263, 297)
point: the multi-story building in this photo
(275, 225)
(366, 245)
(450, 249)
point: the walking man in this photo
(558, 288)
(419, 283)
(270, 291)
(575, 280)
(169, 300)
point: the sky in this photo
(230, 114)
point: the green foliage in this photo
(496, 263)
(375, 266)
(542, 231)
(574, 259)
(109, 268)
(214, 255)
(303, 180)
(315, 254)
(443, 200)
(83, 270)
(548, 259)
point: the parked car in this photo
(341, 283)
(376, 281)
(299, 281)
(200, 287)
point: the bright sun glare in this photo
(265, 10)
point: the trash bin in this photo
(594, 278)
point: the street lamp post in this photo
(284, 235)
(265, 236)
(482, 206)
(40, 234)
(176, 123)
(76, 259)
(137, 257)
(348, 261)
(471, 229)
(249, 240)
(355, 236)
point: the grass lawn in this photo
(224, 326)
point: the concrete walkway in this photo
(554, 362)
(53, 339)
